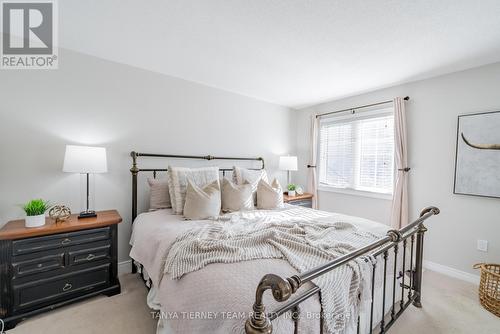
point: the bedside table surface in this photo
(15, 229)
(287, 198)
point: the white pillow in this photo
(178, 177)
(159, 197)
(240, 175)
(202, 203)
(250, 175)
(269, 196)
(236, 197)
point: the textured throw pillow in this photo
(202, 203)
(159, 197)
(178, 177)
(171, 192)
(236, 197)
(269, 196)
(242, 175)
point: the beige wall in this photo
(97, 102)
(432, 122)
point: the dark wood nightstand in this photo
(304, 200)
(46, 267)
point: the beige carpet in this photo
(450, 306)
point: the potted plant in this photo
(35, 212)
(291, 189)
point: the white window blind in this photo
(357, 151)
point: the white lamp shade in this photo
(85, 159)
(288, 163)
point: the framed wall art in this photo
(477, 164)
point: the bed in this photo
(218, 297)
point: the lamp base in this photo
(87, 214)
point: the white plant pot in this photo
(291, 193)
(35, 221)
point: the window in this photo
(356, 152)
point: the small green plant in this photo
(36, 207)
(292, 187)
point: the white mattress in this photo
(225, 290)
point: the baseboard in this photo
(124, 267)
(455, 273)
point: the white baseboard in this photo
(124, 267)
(455, 273)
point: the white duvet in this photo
(217, 298)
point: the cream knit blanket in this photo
(305, 244)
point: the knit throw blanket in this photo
(305, 244)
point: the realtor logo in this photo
(29, 34)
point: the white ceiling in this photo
(290, 52)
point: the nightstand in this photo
(46, 267)
(304, 200)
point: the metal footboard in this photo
(282, 289)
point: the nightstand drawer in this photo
(36, 266)
(89, 255)
(304, 202)
(48, 290)
(38, 244)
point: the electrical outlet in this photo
(482, 245)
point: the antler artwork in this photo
(481, 146)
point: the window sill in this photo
(354, 192)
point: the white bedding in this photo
(217, 298)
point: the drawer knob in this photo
(65, 241)
(67, 287)
(90, 257)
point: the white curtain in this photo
(399, 212)
(312, 171)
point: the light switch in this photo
(482, 245)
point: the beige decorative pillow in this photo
(269, 196)
(236, 197)
(178, 177)
(202, 203)
(159, 197)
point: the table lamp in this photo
(288, 163)
(85, 160)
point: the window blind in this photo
(357, 152)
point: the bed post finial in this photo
(134, 170)
(259, 322)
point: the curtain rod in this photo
(359, 107)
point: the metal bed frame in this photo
(283, 289)
(260, 322)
